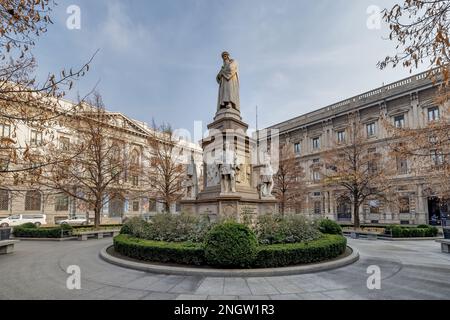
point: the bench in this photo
(84, 236)
(7, 246)
(445, 245)
(362, 235)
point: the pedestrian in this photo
(434, 219)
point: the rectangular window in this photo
(5, 130)
(374, 206)
(64, 143)
(341, 136)
(372, 166)
(317, 207)
(152, 205)
(4, 200)
(371, 130)
(399, 121)
(404, 205)
(433, 114)
(437, 158)
(316, 143)
(36, 138)
(316, 176)
(316, 161)
(135, 206)
(402, 166)
(135, 181)
(297, 148)
(62, 203)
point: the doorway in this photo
(434, 211)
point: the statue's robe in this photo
(228, 79)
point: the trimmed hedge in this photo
(412, 232)
(326, 248)
(231, 245)
(26, 231)
(158, 251)
(328, 226)
(271, 256)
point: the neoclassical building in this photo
(407, 103)
(17, 198)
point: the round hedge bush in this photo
(328, 226)
(231, 245)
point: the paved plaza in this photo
(410, 270)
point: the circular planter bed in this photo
(328, 252)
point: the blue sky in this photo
(159, 59)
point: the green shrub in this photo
(423, 226)
(271, 256)
(273, 229)
(67, 227)
(156, 251)
(28, 225)
(135, 227)
(283, 255)
(328, 226)
(230, 245)
(40, 233)
(178, 228)
(431, 232)
(422, 231)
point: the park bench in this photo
(445, 245)
(362, 235)
(100, 234)
(7, 246)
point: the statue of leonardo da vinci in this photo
(228, 79)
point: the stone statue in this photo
(228, 167)
(266, 183)
(228, 79)
(191, 181)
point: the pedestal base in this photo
(230, 207)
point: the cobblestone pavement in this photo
(410, 270)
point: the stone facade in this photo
(21, 199)
(408, 102)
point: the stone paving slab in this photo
(410, 271)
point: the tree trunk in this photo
(97, 218)
(167, 207)
(356, 222)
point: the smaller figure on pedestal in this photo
(266, 179)
(191, 182)
(228, 167)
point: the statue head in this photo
(225, 55)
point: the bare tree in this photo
(288, 184)
(420, 30)
(167, 165)
(357, 168)
(92, 168)
(23, 99)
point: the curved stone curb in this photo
(270, 272)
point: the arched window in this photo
(4, 200)
(116, 207)
(135, 157)
(344, 209)
(33, 201)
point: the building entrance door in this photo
(434, 211)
